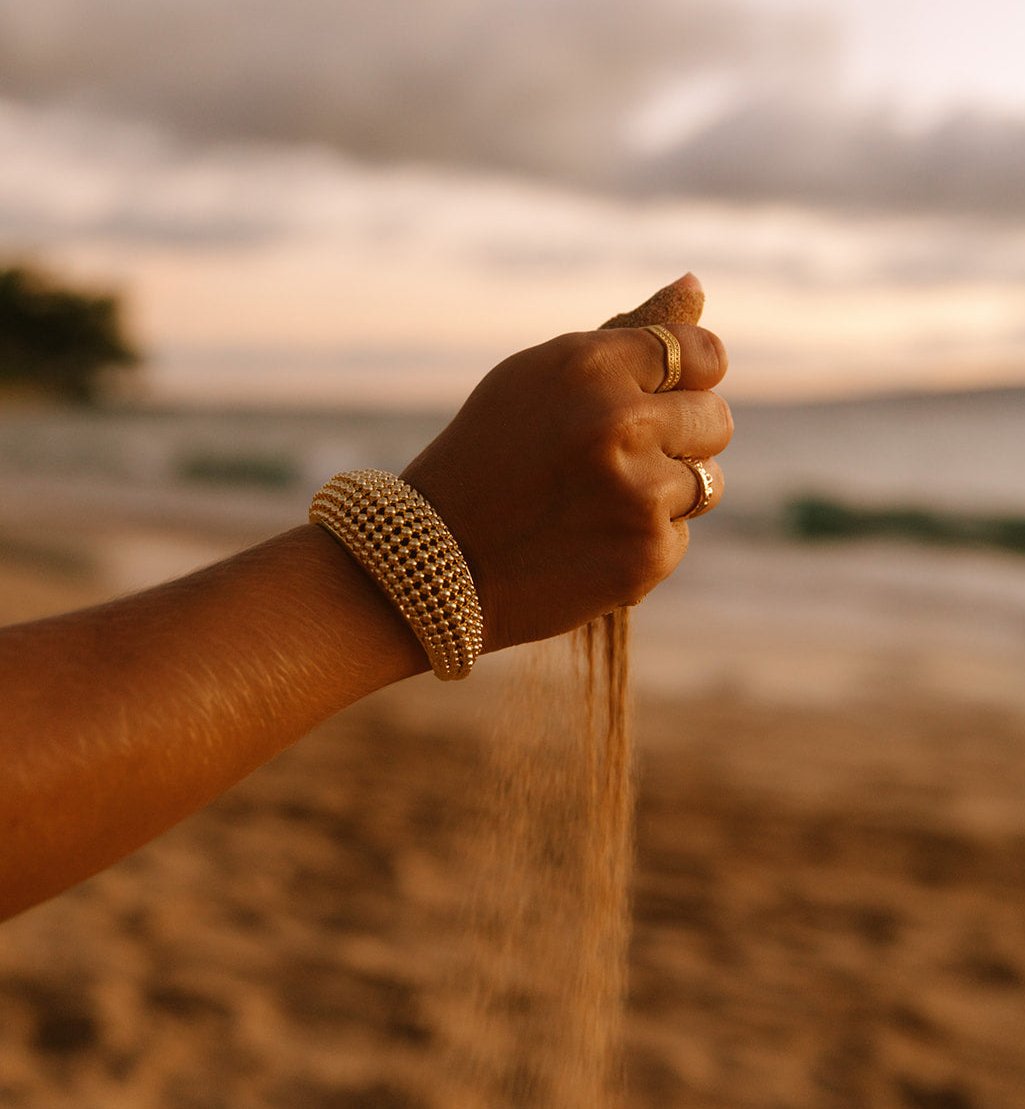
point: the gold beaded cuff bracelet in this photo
(404, 545)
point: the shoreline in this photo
(757, 617)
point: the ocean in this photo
(149, 494)
(135, 497)
(959, 452)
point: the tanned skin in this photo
(120, 720)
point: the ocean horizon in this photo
(959, 452)
(130, 497)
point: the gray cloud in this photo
(541, 85)
(550, 88)
(79, 176)
(966, 164)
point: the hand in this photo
(560, 476)
(560, 479)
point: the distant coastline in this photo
(949, 452)
(422, 406)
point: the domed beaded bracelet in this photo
(404, 545)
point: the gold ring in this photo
(672, 346)
(705, 487)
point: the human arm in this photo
(559, 482)
(121, 719)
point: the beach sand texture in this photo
(829, 894)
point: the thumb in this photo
(680, 302)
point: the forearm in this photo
(122, 719)
(566, 480)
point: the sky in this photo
(331, 201)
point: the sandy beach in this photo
(830, 880)
(245, 247)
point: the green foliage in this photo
(1009, 532)
(268, 471)
(818, 518)
(57, 341)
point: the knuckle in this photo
(648, 512)
(650, 559)
(660, 554)
(649, 549)
(619, 432)
(587, 355)
(627, 428)
(717, 409)
(714, 351)
(711, 415)
(691, 415)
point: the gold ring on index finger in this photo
(674, 369)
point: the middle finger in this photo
(692, 423)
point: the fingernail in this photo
(691, 281)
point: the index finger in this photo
(703, 360)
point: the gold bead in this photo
(404, 545)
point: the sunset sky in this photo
(330, 200)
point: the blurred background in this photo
(244, 245)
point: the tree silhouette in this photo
(60, 342)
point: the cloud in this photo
(548, 88)
(83, 177)
(542, 85)
(765, 151)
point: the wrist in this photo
(363, 630)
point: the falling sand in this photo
(537, 1004)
